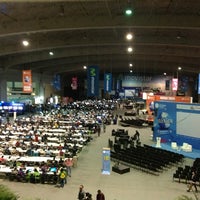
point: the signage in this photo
(27, 81)
(93, 81)
(106, 161)
(107, 82)
(174, 84)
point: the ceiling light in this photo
(130, 65)
(131, 71)
(179, 68)
(130, 49)
(25, 43)
(51, 53)
(164, 73)
(129, 36)
(128, 12)
(84, 67)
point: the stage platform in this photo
(121, 169)
(194, 154)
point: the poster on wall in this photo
(27, 81)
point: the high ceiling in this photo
(88, 32)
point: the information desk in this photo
(121, 169)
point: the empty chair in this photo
(174, 145)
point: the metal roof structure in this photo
(166, 34)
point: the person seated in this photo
(20, 175)
(27, 175)
(2, 160)
(36, 175)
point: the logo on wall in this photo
(164, 121)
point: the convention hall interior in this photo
(105, 92)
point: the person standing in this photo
(62, 177)
(100, 195)
(69, 164)
(193, 182)
(81, 193)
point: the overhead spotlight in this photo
(130, 65)
(129, 36)
(25, 43)
(130, 49)
(131, 71)
(84, 67)
(128, 12)
(51, 53)
(164, 73)
(179, 68)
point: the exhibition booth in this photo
(176, 125)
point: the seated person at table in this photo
(20, 175)
(36, 176)
(2, 160)
(28, 175)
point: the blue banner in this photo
(107, 82)
(93, 81)
(119, 85)
(199, 85)
(106, 161)
(165, 120)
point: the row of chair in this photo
(184, 174)
(146, 158)
(31, 178)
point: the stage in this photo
(121, 169)
(194, 154)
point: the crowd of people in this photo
(43, 148)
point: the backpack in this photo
(62, 175)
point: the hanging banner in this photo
(199, 85)
(56, 82)
(174, 84)
(107, 82)
(119, 85)
(27, 81)
(93, 81)
(106, 161)
(74, 83)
